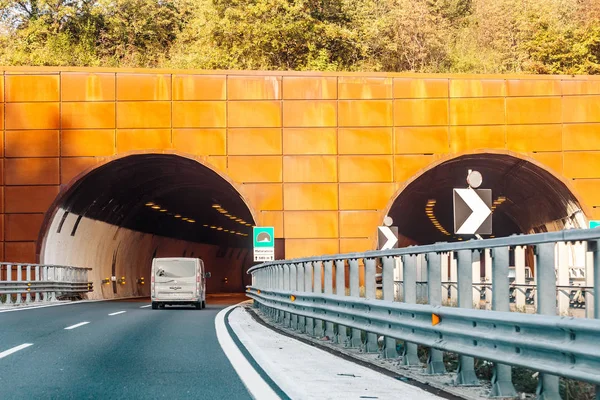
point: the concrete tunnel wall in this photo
(319, 156)
(95, 243)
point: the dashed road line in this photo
(76, 325)
(15, 349)
(118, 312)
(146, 306)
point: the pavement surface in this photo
(302, 371)
(116, 350)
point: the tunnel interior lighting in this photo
(220, 228)
(191, 220)
(497, 202)
(232, 217)
(156, 207)
(177, 216)
(431, 215)
(163, 210)
(149, 204)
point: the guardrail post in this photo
(300, 287)
(52, 293)
(37, 278)
(435, 360)
(318, 288)
(590, 297)
(595, 248)
(409, 351)
(19, 279)
(286, 286)
(387, 278)
(453, 277)
(293, 288)
(328, 286)
(8, 279)
(356, 340)
(278, 286)
(398, 274)
(562, 269)
(466, 365)
(371, 294)
(548, 385)
(28, 277)
(308, 287)
(502, 385)
(519, 276)
(340, 290)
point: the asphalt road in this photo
(137, 354)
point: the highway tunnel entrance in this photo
(526, 199)
(120, 215)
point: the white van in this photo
(178, 281)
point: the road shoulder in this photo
(303, 371)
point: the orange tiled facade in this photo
(318, 156)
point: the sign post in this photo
(264, 243)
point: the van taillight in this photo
(198, 278)
(152, 278)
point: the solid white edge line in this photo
(146, 306)
(118, 312)
(255, 384)
(15, 349)
(69, 303)
(76, 325)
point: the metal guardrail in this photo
(300, 294)
(29, 283)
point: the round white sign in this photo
(474, 179)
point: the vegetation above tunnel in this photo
(479, 36)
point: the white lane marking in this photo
(66, 303)
(77, 325)
(258, 388)
(147, 305)
(15, 349)
(118, 312)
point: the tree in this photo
(268, 34)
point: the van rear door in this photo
(175, 279)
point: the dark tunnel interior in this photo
(165, 195)
(526, 199)
(118, 217)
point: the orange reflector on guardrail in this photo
(292, 298)
(258, 291)
(435, 319)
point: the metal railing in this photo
(30, 283)
(300, 294)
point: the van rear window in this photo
(176, 269)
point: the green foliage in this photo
(471, 36)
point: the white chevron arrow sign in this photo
(388, 237)
(472, 211)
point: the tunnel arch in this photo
(116, 215)
(536, 198)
